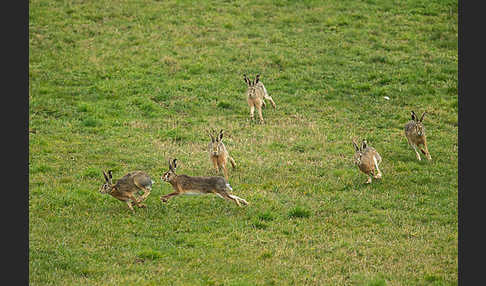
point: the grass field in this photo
(126, 85)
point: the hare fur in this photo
(218, 154)
(415, 133)
(256, 95)
(367, 159)
(192, 185)
(127, 186)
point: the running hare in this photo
(126, 187)
(367, 159)
(218, 153)
(189, 185)
(256, 95)
(415, 133)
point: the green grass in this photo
(126, 85)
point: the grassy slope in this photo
(126, 85)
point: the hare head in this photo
(108, 185)
(170, 174)
(359, 151)
(216, 146)
(251, 85)
(419, 127)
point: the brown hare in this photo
(127, 186)
(367, 159)
(256, 95)
(218, 153)
(189, 185)
(415, 133)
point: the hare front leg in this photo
(215, 164)
(176, 193)
(416, 152)
(378, 175)
(259, 107)
(369, 180)
(252, 112)
(129, 204)
(225, 171)
(221, 161)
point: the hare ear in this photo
(210, 135)
(422, 117)
(257, 78)
(170, 165)
(174, 165)
(109, 174)
(221, 135)
(246, 79)
(106, 177)
(356, 147)
(414, 117)
(364, 144)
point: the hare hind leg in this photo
(238, 199)
(378, 175)
(225, 195)
(271, 101)
(146, 192)
(136, 201)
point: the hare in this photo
(218, 153)
(367, 159)
(256, 95)
(415, 133)
(126, 187)
(189, 185)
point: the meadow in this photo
(126, 85)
